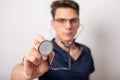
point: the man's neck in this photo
(64, 44)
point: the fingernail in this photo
(44, 57)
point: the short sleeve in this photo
(92, 67)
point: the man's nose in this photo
(68, 24)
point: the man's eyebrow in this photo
(67, 18)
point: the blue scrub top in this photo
(80, 68)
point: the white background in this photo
(21, 20)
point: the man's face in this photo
(65, 23)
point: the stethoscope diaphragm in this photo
(45, 48)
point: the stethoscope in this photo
(46, 47)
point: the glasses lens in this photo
(62, 21)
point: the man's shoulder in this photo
(84, 46)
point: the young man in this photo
(68, 60)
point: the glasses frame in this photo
(63, 21)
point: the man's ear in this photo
(52, 24)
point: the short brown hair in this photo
(64, 3)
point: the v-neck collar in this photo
(64, 54)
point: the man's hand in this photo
(35, 64)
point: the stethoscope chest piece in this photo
(45, 48)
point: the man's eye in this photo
(61, 20)
(74, 20)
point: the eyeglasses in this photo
(63, 21)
